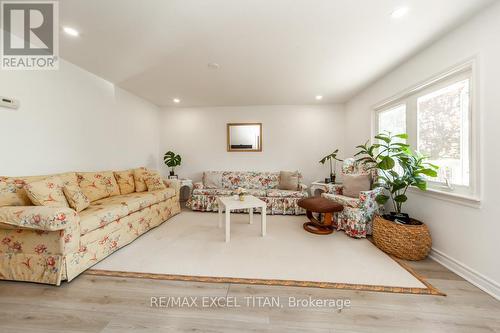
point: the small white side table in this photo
(250, 202)
(186, 183)
(319, 187)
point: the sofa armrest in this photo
(173, 183)
(337, 189)
(37, 217)
(367, 198)
(302, 187)
(343, 200)
(198, 186)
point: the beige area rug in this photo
(191, 247)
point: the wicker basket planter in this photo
(409, 242)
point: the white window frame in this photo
(468, 70)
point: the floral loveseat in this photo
(357, 216)
(263, 185)
(49, 244)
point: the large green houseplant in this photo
(398, 168)
(172, 160)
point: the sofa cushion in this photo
(154, 182)
(250, 180)
(138, 201)
(76, 199)
(98, 185)
(354, 184)
(289, 180)
(47, 192)
(212, 179)
(256, 192)
(125, 180)
(140, 183)
(99, 214)
(285, 193)
(12, 192)
(343, 200)
(163, 195)
(213, 191)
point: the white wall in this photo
(72, 120)
(294, 138)
(468, 238)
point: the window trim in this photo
(473, 196)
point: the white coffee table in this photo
(230, 203)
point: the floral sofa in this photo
(357, 217)
(49, 244)
(263, 185)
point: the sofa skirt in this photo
(275, 205)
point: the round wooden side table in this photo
(319, 205)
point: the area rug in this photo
(190, 247)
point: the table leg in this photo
(220, 215)
(263, 221)
(250, 213)
(228, 236)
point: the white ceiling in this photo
(269, 51)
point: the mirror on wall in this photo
(244, 137)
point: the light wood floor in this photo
(106, 304)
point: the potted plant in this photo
(332, 157)
(398, 168)
(240, 191)
(172, 160)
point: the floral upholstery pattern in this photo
(250, 180)
(98, 185)
(47, 192)
(286, 193)
(76, 199)
(125, 180)
(154, 182)
(46, 244)
(12, 192)
(37, 217)
(98, 215)
(263, 185)
(357, 216)
(140, 183)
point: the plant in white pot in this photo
(398, 168)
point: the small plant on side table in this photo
(172, 160)
(332, 157)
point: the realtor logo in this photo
(29, 36)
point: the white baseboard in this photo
(482, 282)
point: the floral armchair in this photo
(356, 218)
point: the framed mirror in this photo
(244, 137)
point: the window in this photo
(437, 117)
(393, 120)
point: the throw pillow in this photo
(125, 180)
(289, 180)
(139, 176)
(98, 185)
(353, 184)
(47, 192)
(212, 179)
(76, 199)
(154, 182)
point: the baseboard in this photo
(482, 282)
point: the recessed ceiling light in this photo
(213, 65)
(319, 97)
(176, 100)
(71, 31)
(400, 12)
